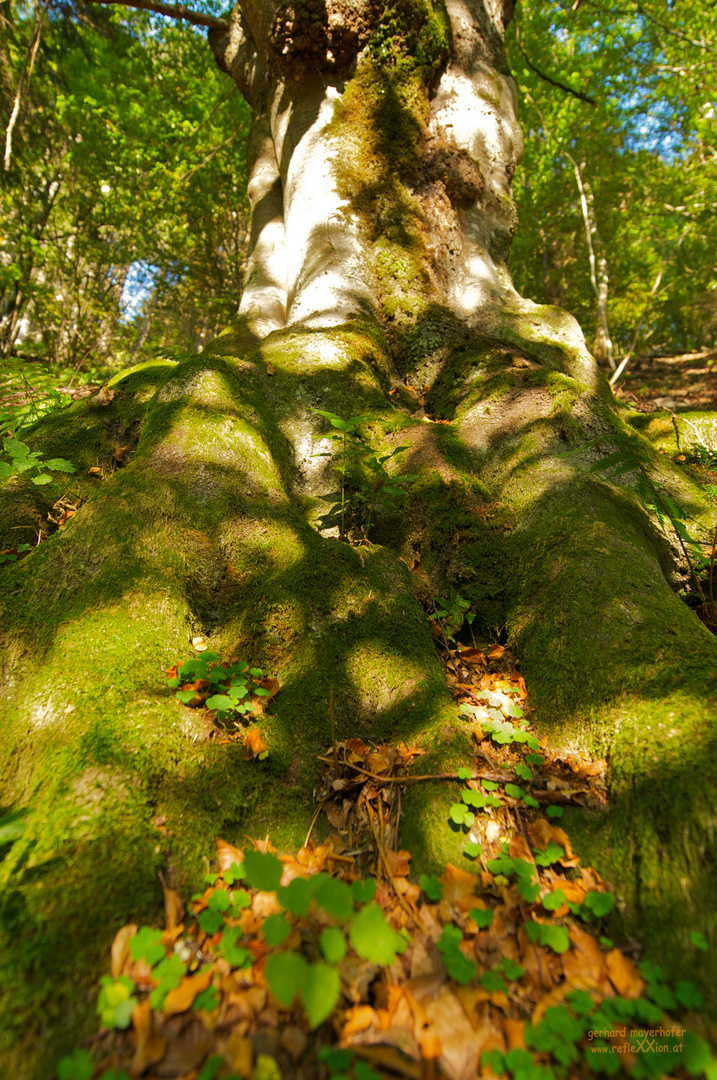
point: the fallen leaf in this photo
(519, 849)
(541, 832)
(182, 997)
(270, 369)
(624, 976)
(188, 1047)
(120, 948)
(121, 454)
(398, 862)
(239, 1050)
(585, 960)
(254, 743)
(272, 685)
(459, 1043)
(458, 886)
(94, 471)
(66, 517)
(150, 1046)
(228, 854)
(359, 1018)
(338, 815)
(103, 396)
(173, 907)
(514, 1033)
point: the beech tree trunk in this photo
(383, 146)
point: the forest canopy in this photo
(124, 182)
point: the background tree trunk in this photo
(380, 190)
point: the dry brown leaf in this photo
(270, 369)
(272, 685)
(294, 1041)
(239, 1051)
(359, 1018)
(103, 396)
(408, 889)
(541, 832)
(149, 1045)
(120, 948)
(338, 815)
(458, 885)
(459, 1043)
(554, 997)
(514, 1033)
(228, 854)
(173, 907)
(182, 997)
(254, 743)
(586, 960)
(95, 470)
(398, 862)
(520, 849)
(188, 1042)
(121, 454)
(624, 976)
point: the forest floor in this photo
(681, 382)
(332, 963)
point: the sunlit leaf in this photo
(373, 938)
(320, 992)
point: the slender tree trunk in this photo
(599, 278)
(381, 158)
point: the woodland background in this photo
(124, 212)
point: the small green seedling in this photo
(235, 683)
(22, 459)
(450, 614)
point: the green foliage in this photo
(631, 459)
(124, 130)
(451, 613)
(147, 945)
(372, 487)
(431, 886)
(262, 870)
(78, 1065)
(483, 917)
(343, 1065)
(169, 972)
(116, 1001)
(27, 393)
(22, 460)
(458, 966)
(699, 940)
(642, 146)
(333, 944)
(286, 974)
(373, 938)
(235, 682)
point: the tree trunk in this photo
(381, 161)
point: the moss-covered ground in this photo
(208, 531)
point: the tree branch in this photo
(547, 78)
(30, 54)
(640, 10)
(172, 11)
